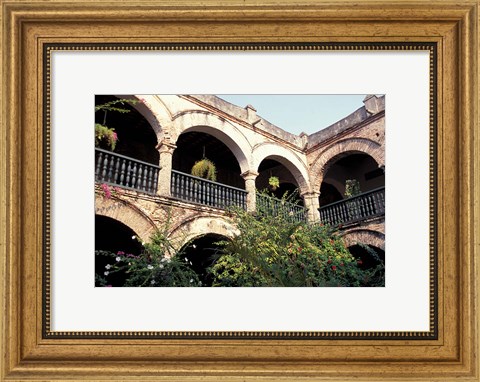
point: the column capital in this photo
(166, 147)
(249, 175)
(310, 194)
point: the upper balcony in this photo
(133, 174)
(362, 207)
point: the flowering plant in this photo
(105, 137)
(158, 265)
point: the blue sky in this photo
(297, 113)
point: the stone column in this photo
(166, 150)
(250, 177)
(310, 200)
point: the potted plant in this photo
(205, 169)
(274, 183)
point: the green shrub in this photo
(274, 251)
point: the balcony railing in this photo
(361, 207)
(116, 169)
(277, 207)
(197, 190)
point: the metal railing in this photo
(126, 172)
(357, 208)
(198, 190)
(277, 207)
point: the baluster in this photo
(173, 185)
(111, 166)
(116, 171)
(370, 204)
(98, 165)
(188, 186)
(382, 201)
(223, 197)
(134, 175)
(155, 180)
(139, 176)
(105, 168)
(145, 177)
(122, 172)
(181, 186)
(149, 174)
(129, 173)
(206, 189)
(215, 195)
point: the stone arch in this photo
(197, 226)
(364, 236)
(223, 130)
(154, 111)
(286, 157)
(343, 148)
(126, 213)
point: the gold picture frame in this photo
(28, 27)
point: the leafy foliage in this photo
(352, 188)
(272, 251)
(104, 135)
(205, 169)
(274, 182)
(158, 265)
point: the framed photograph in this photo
(239, 191)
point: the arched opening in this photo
(193, 146)
(352, 166)
(329, 194)
(136, 138)
(113, 236)
(352, 189)
(201, 253)
(287, 183)
(369, 255)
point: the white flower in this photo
(143, 243)
(152, 282)
(106, 273)
(186, 259)
(118, 258)
(134, 237)
(108, 266)
(163, 260)
(194, 246)
(150, 266)
(168, 261)
(190, 263)
(161, 266)
(191, 280)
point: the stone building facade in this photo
(163, 135)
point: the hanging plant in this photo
(105, 137)
(352, 188)
(274, 182)
(205, 169)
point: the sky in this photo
(297, 113)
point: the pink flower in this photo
(334, 267)
(106, 190)
(120, 253)
(114, 136)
